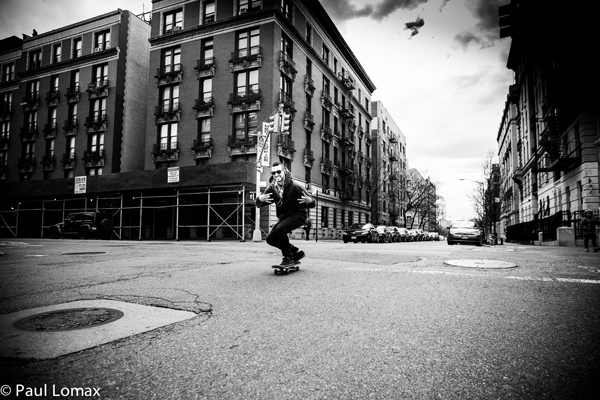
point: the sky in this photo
(438, 65)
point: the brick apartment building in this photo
(170, 117)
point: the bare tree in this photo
(485, 197)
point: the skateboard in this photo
(281, 270)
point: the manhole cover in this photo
(68, 319)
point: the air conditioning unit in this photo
(243, 10)
(307, 185)
(178, 28)
(97, 49)
(325, 191)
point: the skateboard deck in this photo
(284, 270)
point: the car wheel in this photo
(84, 233)
(54, 233)
(345, 240)
(479, 242)
(450, 243)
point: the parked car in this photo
(416, 235)
(404, 235)
(465, 232)
(384, 234)
(434, 236)
(360, 233)
(395, 233)
(84, 225)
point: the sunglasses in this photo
(276, 172)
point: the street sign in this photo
(80, 184)
(264, 144)
(173, 175)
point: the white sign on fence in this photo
(173, 175)
(80, 184)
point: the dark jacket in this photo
(289, 205)
(588, 225)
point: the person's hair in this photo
(275, 164)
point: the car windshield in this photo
(381, 228)
(359, 226)
(464, 224)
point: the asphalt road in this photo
(358, 321)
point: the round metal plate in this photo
(68, 319)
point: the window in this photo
(173, 21)
(324, 216)
(4, 130)
(246, 83)
(287, 46)
(35, 59)
(204, 136)
(71, 147)
(170, 98)
(52, 118)
(5, 101)
(77, 52)
(326, 85)
(248, 5)
(168, 136)
(72, 116)
(74, 82)
(244, 123)
(308, 67)
(208, 52)
(100, 74)
(96, 143)
(56, 53)
(325, 55)
(54, 83)
(31, 121)
(248, 42)
(309, 33)
(102, 41)
(286, 8)
(98, 110)
(209, 12)
(8, 72)
(172, 59)
(207, 90)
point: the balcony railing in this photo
(326, 166)
(242, 146)
(52, 98)
(50, 130)
(73, 94)
(309, 85)
(96, 123)
(165, 152)
(69, 161)
(99, 88)
(309, 121)
(169, 74)
(285, 146)
(245, 59)
(29, 133)
(26, 164)
(31, 102)
(169, 112)
(326, 134)
(287, 65)
(205, 68)
(6, 112)
(202, 149)
(326, 100)
(204, 107)
(250, 96)
(286, 99)
(71, 126)
(94, 159)
(48, 163)
(346, 80)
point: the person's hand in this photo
(266, 198)
(304, 200)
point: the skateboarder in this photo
(291, 201)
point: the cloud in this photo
(485, 33)
(342, 10)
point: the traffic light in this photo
(274, 123)
(286, 122)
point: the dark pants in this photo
(589, 236)
(278, 237)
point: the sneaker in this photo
(298, 255)
(287, 261)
